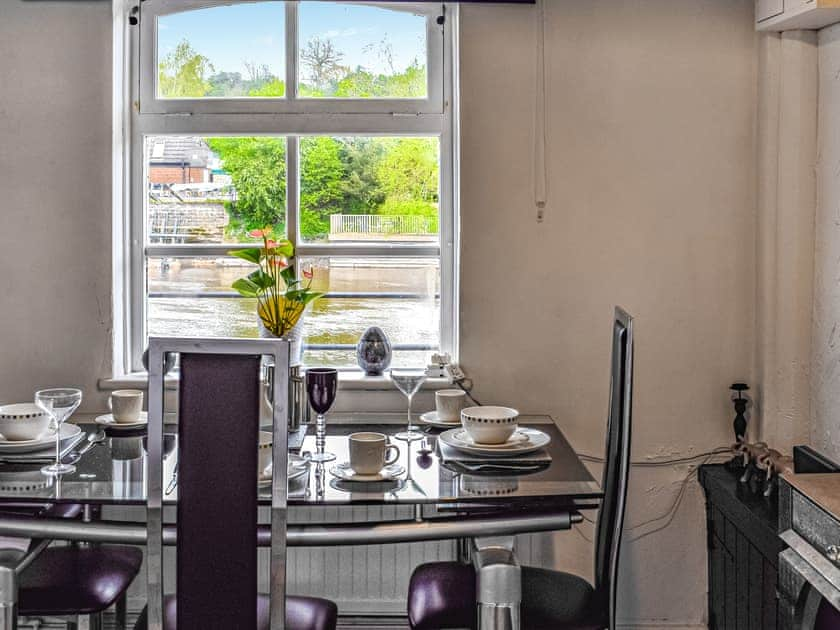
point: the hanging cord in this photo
(540, 175)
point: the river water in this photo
(406, 320)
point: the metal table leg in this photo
(499, 583)
(8, 596)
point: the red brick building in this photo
(179, 160)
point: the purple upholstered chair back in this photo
(218, 433)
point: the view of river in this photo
(176, 305)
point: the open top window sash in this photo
(150, 103)
(276, 349)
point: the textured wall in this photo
(55, 211)
(825, 369)
(651, 182)
(651, 205)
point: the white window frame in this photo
(142, 115)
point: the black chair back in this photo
(616, 464)
(218, 433)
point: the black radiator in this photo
(743, 552)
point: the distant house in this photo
(180, 160)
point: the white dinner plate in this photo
(345, 473)
(432, 418)
(536, 441)
(108, 421)
(518, 437)
(42, 442)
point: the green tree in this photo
(321, 189)
(257, 167)
(411, 83)
(274, 87)
(409, 170)
(184, 73)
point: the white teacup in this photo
(369, 452)
(449, 403)
(264, 452)
(126, 405)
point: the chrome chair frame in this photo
(279, 350)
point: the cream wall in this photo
(651, 205)
(825, 382)
(55, 211)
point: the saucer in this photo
(432, 418)
(345, 473)
(108, 421)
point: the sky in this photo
(231, 35)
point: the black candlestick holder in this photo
(740, 403)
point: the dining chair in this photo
(443, 594)
(216, 514)
(71, 581)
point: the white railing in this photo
(361, 224)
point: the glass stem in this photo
(320, 433)
(409, 428)
(57, 442)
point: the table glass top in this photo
(114, 473)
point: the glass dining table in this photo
(488, 505)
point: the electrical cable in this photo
(661, 462)
(460, 384)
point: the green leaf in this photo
(252, 254)
(288, 275)
(285, 248)
(260, 279)
(245, 287)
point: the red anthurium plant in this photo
(281, 297)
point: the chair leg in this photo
(122, 612)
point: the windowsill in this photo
(349, 381)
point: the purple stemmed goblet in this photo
(321, 387)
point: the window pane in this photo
(214, 190)
(401, 296)
(357, 189)
(228, 51)
(351, 51)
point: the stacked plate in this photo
(524, 440)
(44, 441)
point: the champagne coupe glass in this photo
(60, 403)
(321, 386)
(408, 381)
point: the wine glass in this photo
(408, 381)
(321, 386)
(60, 403)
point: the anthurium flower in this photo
(278, 262)
(308, 273)
(261, 233)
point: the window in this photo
(331, 122)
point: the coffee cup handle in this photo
(388, 462)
